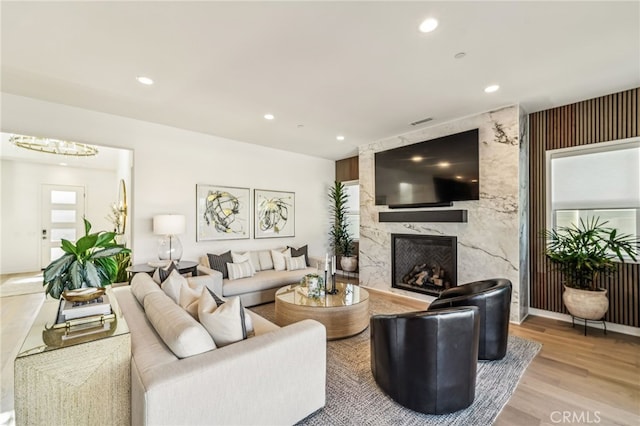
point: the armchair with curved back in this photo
(493, 298)
(427, 361)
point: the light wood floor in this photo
(573, 380)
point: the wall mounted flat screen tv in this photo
(432, 173)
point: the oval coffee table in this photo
(344, 314)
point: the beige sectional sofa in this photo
(255, 381)
(261, 287)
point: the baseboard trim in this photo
(618, 328)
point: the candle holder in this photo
(333, 290)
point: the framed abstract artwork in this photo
(275, 214)
(222, 212)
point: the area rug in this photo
(353, 397)
(17, 286)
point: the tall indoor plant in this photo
(91, 262)
(341, 241)
(582, 253)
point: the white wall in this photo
(21, 207)
(169, 162)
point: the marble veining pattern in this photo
(489, 243)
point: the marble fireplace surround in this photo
(489, 244)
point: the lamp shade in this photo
(169, 224)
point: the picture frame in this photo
(222, 212)
(274, 214)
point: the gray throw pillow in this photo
(299, 252)
(218, 262)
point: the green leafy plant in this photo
(123, 261)
(583, 251)
(91, 262)
(341, 241)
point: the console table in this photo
(75, 376)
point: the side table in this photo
(184, 267)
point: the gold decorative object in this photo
(83, 294)
(53, 146)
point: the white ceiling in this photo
(360, 69)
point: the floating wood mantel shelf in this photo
(424, 216)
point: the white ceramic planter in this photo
(591, 305)
(349, 264)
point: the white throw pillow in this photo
(240, 270)
(265, 260)
(171, 286)
(189, 296)
(243, 257)
(224, 323)
(279, 262)
(296, 263)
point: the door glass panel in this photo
(67, 234)
(63, 216)
(63, 197)
(56, 252)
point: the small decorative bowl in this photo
(83, 294)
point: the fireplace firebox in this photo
(423, 263)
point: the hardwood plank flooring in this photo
(573, 380)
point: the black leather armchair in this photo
(427, 361)
(493, 297)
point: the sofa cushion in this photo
(177, 329)
(141, 286)
(264, 280)
(240, 270)
(225, 323)
(172, 284)
(219, 262)
(295, 252)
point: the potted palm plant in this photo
(582, 253)
(90, 262)
(341, 241)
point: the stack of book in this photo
(73, 310)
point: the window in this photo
(601, 180)
(353, 205)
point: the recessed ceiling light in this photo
(63, 164)
(416, 158)
(491, 89)
(444, 164)
(340, 137)
(428, 25)
(144, 80)
(458, 177)
(474, 180)
(269, 116)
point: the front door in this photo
(62, 213)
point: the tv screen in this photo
(433, 172)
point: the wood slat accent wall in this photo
(596, 120)
(347, 169)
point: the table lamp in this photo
(169, 225)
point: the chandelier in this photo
(53, 146)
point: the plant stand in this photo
(573, 324)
